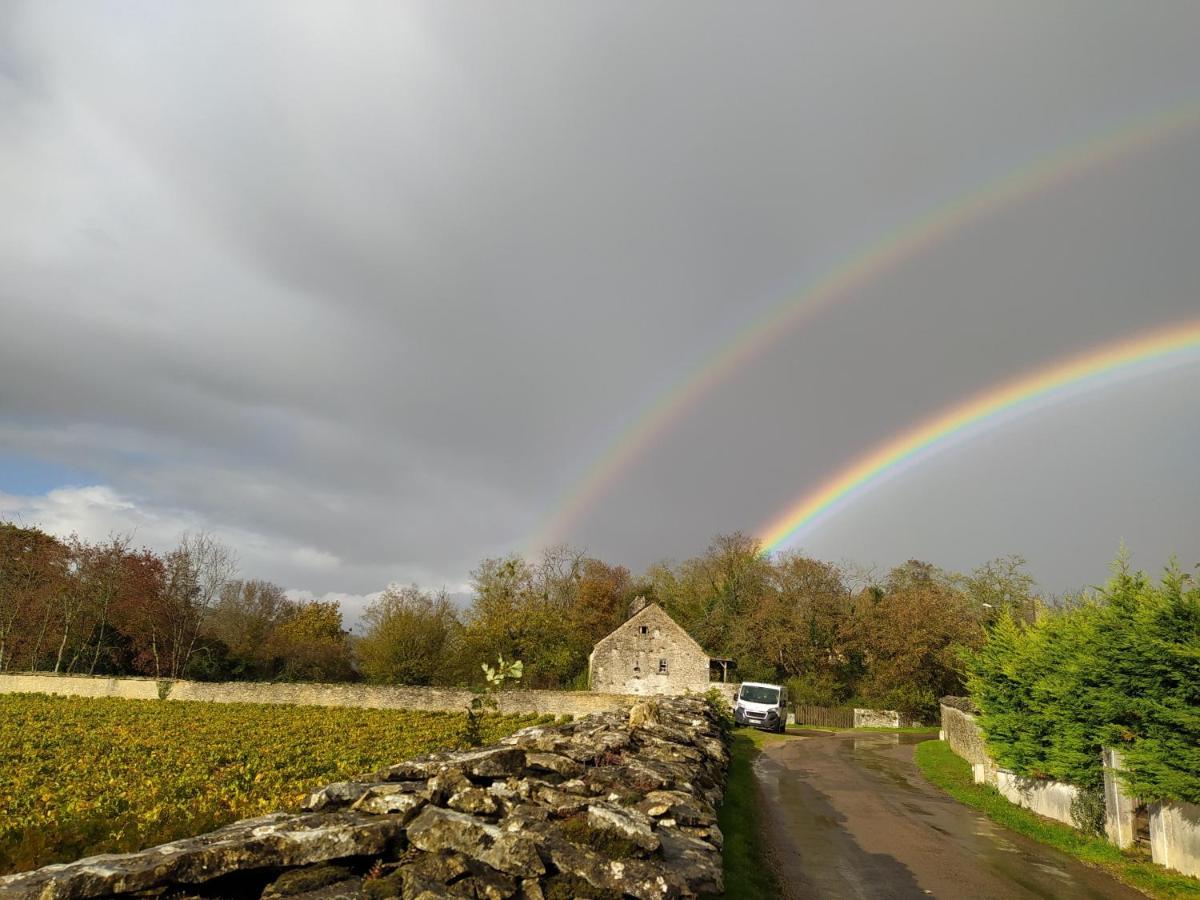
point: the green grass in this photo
(747, 874)
(953, 775)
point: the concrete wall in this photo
(575, 703)
(1175, 836)
(649, 653)
(1174, 827)
(1051, 799)
(1119, 807)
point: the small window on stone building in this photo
(644, 629)
(662, 667)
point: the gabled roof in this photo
(650, 611)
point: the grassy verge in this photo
(747, 874)
(953, 775)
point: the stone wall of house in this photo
(619, 804)
(649, 654)
(575, 703)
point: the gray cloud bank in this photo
(367, 287)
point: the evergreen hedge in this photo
(1119, 668)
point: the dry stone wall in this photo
(558, 703)
(962, 733)
(618, 804)
(882, 718)
(80, 686)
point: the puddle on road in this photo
(867, 752)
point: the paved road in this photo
(849, 815)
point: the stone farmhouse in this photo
(651, 654)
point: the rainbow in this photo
(1056, 381)
(840, 283)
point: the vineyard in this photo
(80, 776)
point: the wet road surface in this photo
(850, 815)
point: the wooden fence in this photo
(827, 716)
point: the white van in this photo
(762, 706)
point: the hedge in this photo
(1117, 668)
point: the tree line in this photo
(837, 634)
(75, 607)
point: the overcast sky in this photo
(366, 289)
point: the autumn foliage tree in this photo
(795, 619)
(547, 614)
(312, 644)
(236, 635)
(32, 567)
(409, 637)
(909, 636)
(73, 606)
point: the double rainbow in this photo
(859, 270)
(1124, 358)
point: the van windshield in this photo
(754, 694)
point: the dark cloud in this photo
(370, 287)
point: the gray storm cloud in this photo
(370, 287)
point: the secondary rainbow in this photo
(1122, 359)
(841, 283)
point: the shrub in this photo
(1087, 811)
(817, 689)
(722, 713)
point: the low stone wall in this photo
(575, 703)
(619, 804)
(81, 686)
(882, 718)
(962, 733)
